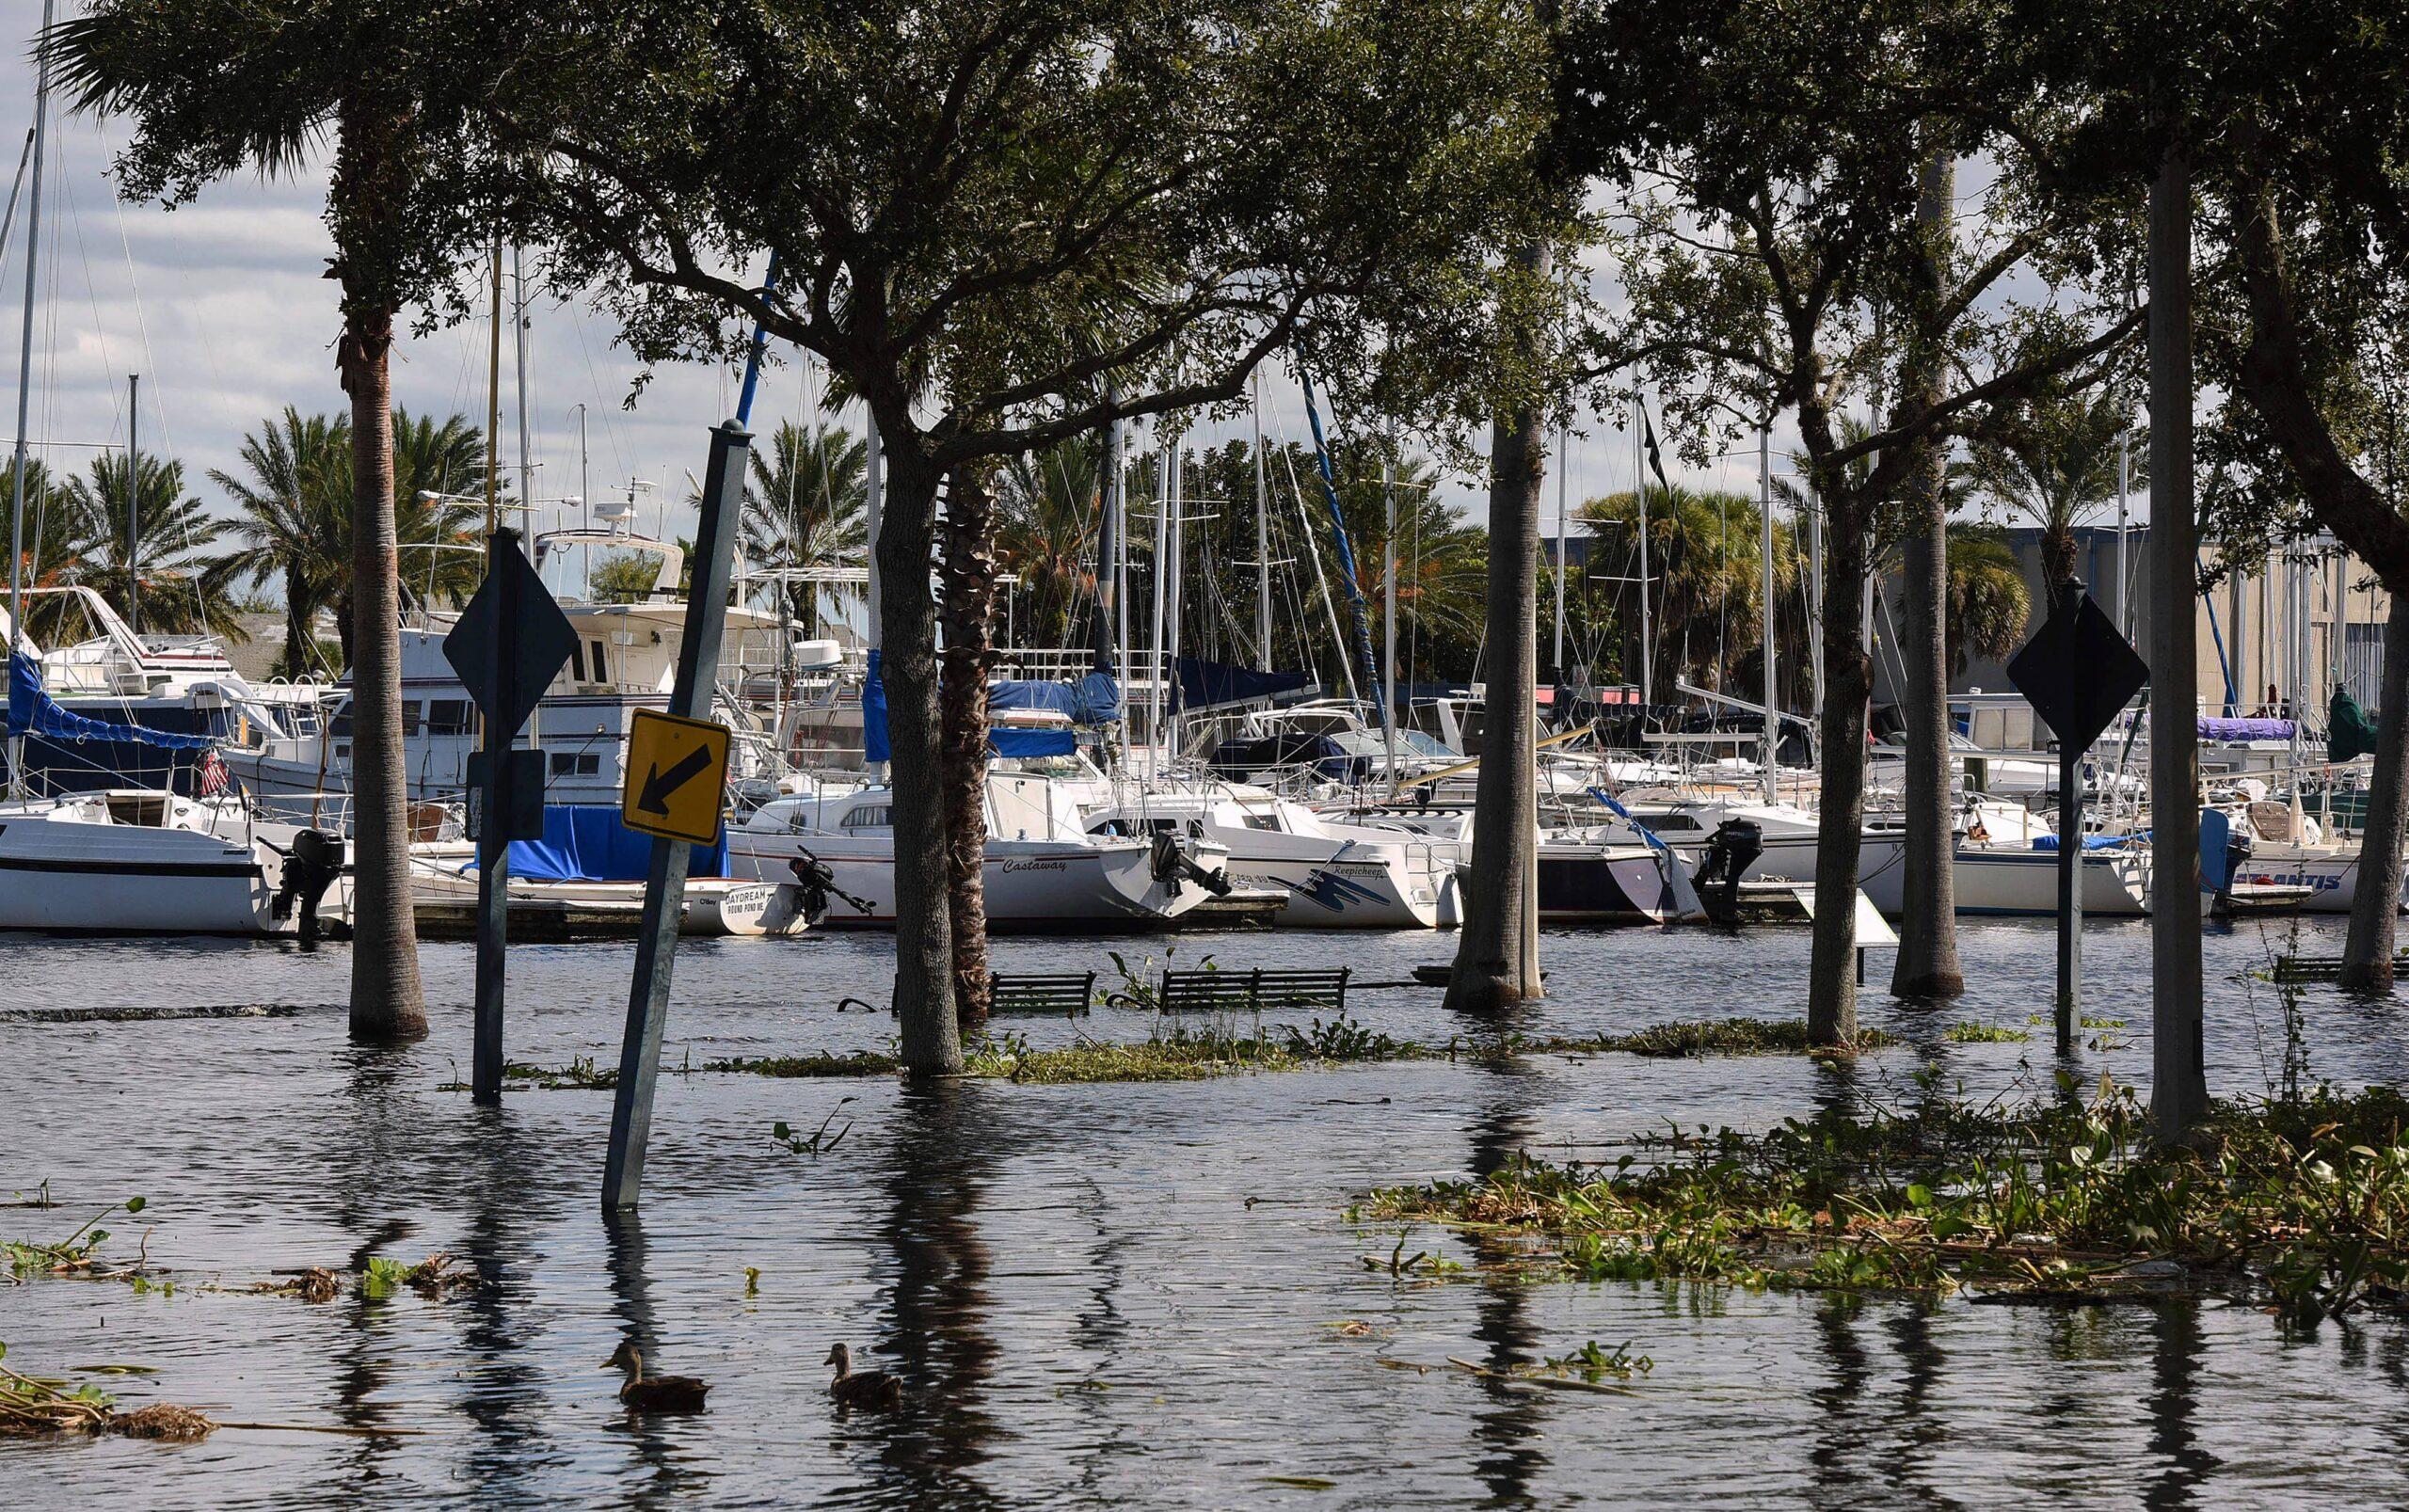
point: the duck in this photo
(656, 1393)
(873, 1389)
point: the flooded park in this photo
(1146, 1293)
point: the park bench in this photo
(1067, 992)
(1208, 992)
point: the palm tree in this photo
(403, 92)
(297, 517)
(1706, 576)
(151, 576)
(806, 505)
(289, 530)
(1049, 506)
(1988, 604)
(2055, 460)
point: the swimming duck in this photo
(871, 1389)
(656, 1393)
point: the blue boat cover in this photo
(2090, 842)
(1203, 684)
(1095, 699)
(586, 842)
(874, 746)
(1017, 742)
(2245, 729)
(32, 711)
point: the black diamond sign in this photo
(537, 637)
(2077, 672)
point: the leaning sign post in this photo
(2077, 672)
(668, 796)
(509, 645)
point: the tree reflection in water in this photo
(1508, 1431)
(665, 1476)
(936, 1334)
(2173, 1404)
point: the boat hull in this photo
(2116, 884)
(64, 877)
(1032, 886)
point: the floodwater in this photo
(1097, 1296)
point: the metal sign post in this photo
(509, 645)
(2077, 672)
(665, 894)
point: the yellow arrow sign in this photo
(676, 777)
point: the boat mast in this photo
(518, 341)
(134, 508)
(1639, 492)
(1764, 603)
(1262, 541)
(1388, 612)
(1563, 458)
(1175, 600)
(24, 384)
(1163, 549)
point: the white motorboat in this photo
(1043, 871)
(133, 861)
(1791, 837)
(1601, 874)
(443, 882)
(1333, 875)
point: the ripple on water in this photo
(1099, 1293)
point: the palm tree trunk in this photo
(2178, 1091)
(931, 1040)
(1497, 950)
(1848, 690)
(2367, 956)
(387, 1001)
(1927, 959)
(2057, 562)
(967, 580)
(298, 612)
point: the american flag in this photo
(211, 775)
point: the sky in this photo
(221, 307)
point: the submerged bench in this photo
(2323, 969)
(1065, 993)
(1194, 992)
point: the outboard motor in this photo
(2238, 851)
(817, 884)
(1731, 850)
(313, 865)
(1173, 866)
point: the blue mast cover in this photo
(33, 711)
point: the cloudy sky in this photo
(220, 305)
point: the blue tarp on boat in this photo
(33, 711)
(1205, 684)
(586, 842)
(1095, 699)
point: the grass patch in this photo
(2304, 1200)
(1970, 1033)
(1703, 1036)
(1179, 1051)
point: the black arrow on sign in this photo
(659, 785)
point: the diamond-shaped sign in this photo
(512, 616)
(2077, 672)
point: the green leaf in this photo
(136, 1204)
(1918, 1195)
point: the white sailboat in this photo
(1043, 871)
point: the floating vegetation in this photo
(1966, 1033)
(74, 1255)
(1180, 1051)
(433, 1279)
(582, 1074)
(819, 1142)
(1703, 1036)
(1592, 1363)
(2304, 1200)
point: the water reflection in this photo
(660, 1474)
(2174, 1405)
(936, 1332)
(1508, 1430)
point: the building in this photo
(2245, 645)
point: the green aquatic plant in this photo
(1968, 1032)
(818, 1143)
(2305, 1201)
(1591, 1361)
(69, 1256)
